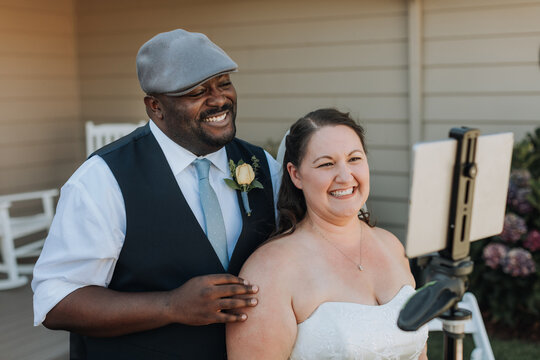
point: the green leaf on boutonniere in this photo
(256, 184)
(232, 184)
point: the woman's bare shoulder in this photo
(274, 258)
(389, 240)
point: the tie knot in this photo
(203, 167)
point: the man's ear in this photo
(294, 175)
(153, 107)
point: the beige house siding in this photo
(40, 133)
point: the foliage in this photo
(506, 279)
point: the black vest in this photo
(165, 246)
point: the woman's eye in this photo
(324, 165)
(356, 158)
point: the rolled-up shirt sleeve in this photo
(85, 238)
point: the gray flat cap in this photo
(176, 62)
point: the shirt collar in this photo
(180, 158)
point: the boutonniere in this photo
(244, 179)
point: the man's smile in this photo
(216, 118)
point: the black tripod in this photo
(447, 272)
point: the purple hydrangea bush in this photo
(506, 278)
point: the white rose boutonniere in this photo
(244, 179)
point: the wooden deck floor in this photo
(19, 339)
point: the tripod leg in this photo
(453, 346)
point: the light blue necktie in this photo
(215, 226)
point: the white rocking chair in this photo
(100, 135)
(12, 228)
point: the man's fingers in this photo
(224, 317)
(222, 279)
(231, 304)
(235, 290)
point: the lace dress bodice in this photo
(344, 330)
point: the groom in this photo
(133, 265)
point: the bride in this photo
(330, 284)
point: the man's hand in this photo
(211, 299)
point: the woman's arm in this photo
(270, 329)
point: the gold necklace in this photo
(359, 265)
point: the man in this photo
(132, 266)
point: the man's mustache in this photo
(211, 112)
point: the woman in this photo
(331, 285)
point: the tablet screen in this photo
(431, 186)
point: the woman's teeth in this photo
(216, 118)
(339, 193)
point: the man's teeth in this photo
(216, 118)
(341, 192)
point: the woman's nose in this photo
(344, 173)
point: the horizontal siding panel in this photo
(483, 21)
(370, 29)
(18, 66)
(117, 87)
(113, 44)
(389, 186)
(47, 22)
(36, 44)
(64, 7)
(440, 131)
(261, 132)
(174, 14)
(35, 154)
(113, 108)
(510, 49)
(290, 109)
(442, 5)
(14, 133)
(381, 133)
(336, 82)
(394, 212)
(35, 88)
(389, 160)
(391, 54)
(21, 110)
(104, 66)
(508, 108)
(41, 176)
(483, 79)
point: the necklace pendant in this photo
(360, 267)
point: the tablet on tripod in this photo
(431, 191)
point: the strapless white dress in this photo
(344, 330)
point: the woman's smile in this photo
(341, 193)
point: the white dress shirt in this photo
(89, 227)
